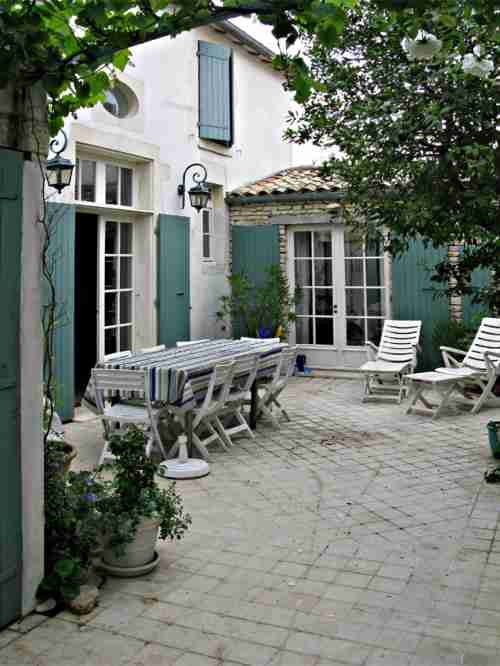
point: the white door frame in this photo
(340, 354)
(103, 218)
(338, 282)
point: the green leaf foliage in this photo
(415, 144)
(270, 307)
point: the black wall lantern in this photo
(199, 194)
(59, 169)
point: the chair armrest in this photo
(449, 361)
(371, 350)
(492, 367)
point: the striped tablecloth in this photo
(179, 376)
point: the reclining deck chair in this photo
(480, 365)
(387, 363)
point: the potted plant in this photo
(72, 527)
(135, 510)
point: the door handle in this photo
(180, 293)
(335, 309)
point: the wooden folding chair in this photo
(245, 371)
(268, 397)
(213, 402)
(151, 350)
(146, 417)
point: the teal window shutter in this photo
(215, 93)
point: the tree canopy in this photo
(73, 47)
(418, 140)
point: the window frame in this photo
(120, 168)
(382, 288)
(210, 258)
(100, 182)
(77, 191)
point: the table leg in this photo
(254, 393)
(189, 431)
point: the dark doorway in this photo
(85, 300)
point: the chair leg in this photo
(222, 435)
(244, 423)
(173, 449)
(226, 441)
(104, 453)
(201, 447)
(487, 388)
(267, 412)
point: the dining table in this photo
(178, 377)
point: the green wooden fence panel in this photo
(215, 92)
(11, 220)
(62, 255)
(480, 278)
(254, 249)
(413, 296)
(173, 295)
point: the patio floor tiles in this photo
(372, 550)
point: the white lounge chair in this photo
(480, 365)
(123, 413)
(187, 343)
(387, 364)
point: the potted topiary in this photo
(135, 510)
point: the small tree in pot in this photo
(135, 510)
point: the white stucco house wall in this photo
(209, 96)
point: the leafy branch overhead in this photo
(416, 139)
(73, 48)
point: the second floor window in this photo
(215, 86)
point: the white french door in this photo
(116, 286)
(344, 296)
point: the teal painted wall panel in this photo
(413, 296)
(254, 249)
(173, 295)
(11, 222)
(480, 278)
(215, 92)
(62, 256)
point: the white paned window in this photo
(314, 275)
(85, 180)
(207, 234)
(364, 289)
(118, 287)
(119, 181)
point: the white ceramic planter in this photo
(138, 554)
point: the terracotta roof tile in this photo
(296, 179)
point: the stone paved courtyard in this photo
(353, 535)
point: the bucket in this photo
(301, 362)
(493, 427)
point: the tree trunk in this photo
(23, 120)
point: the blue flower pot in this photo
(493, 427)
